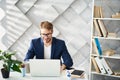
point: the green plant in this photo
(8, 62)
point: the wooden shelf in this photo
(115, 56)
(95, 73)
(112, 38)
(108, 18)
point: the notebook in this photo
(77, 72)
(44, 67)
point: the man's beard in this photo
(48, 40)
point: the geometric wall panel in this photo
(71, 23)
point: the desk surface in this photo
(17, 76)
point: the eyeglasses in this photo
(48, 34)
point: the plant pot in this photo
(5, 73)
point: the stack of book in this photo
(117, 15)
(101, 29)
(98, 12)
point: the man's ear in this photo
(52, 31)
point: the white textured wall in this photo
(71, 19)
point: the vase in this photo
(5, 73)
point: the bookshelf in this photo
(106, 30)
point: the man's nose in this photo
(45, 36)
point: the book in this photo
(115, 16)
(103, 28)
(95, 65)
(106, 66)
(102, 69)
(95, 11)
(98, 12)
(101, 12)
(97, 28)
(113, 35)
(77, 73)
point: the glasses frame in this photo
(47, 34)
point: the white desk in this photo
(17, 76)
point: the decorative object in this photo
(9, 63)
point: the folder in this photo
(102, 69)
(106, 66)
(95, 47)
(95, 65)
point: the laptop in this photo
(44, 67)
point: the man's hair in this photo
(46, 25)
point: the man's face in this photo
(46, 35)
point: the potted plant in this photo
(9, 63)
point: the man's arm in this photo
(67, 60)
(30, 53)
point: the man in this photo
(48, 47)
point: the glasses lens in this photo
(48, 34)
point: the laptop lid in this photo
(44, 67)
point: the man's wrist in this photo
(63, 66)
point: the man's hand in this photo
(63, 67)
